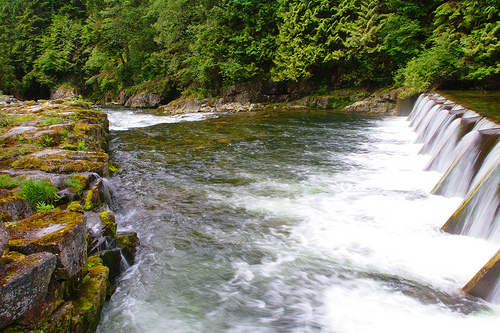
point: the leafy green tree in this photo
(120, 40)
(464, 49)
(61, 56)
(234, 42)
(308, 37)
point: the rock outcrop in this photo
(382, 103)
(61, 233)
(52, 277)
(25, 285)
(144, 100)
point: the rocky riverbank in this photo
(238, 99)
(58, 242)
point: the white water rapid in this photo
(296, 221)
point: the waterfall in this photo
(464, 147)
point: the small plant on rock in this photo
(41, 207)
(47, 141)
(81, 145)
(38, 192)
(77, 183)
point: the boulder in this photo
(112, 259)
(63, 92)
(45, 308)
(61, 233)
(25, 285)
(144, 100)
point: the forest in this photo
(103, 47)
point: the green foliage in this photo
(81, 145)
(7, 182)
(107, 47)
(61, 51)
(38, 191)
(41, 207)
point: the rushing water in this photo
(286, 221)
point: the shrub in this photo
(38, 192)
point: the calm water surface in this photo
(286, 221)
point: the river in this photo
(286, 221)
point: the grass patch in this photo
(39, 192)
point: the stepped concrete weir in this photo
(465, 148)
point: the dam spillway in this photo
(466, 147)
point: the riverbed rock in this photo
(60, 233)
(25, 285)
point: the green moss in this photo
(6, 217)
(113, 168)
(11, 256)
(78, 183)
(66, 220)
(64, 162)
(108, 220)
(75, 206)
(88, 202)
(90, 294)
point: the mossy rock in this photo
(128, 243)
(64, 161)
(13, 208)
(75, 206)
(25, 285)
(61, 233)
(80, 309)
(109, 222)
(90, 296)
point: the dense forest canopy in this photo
(103, 47)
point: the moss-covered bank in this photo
(55, 217)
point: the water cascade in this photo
(469, 155)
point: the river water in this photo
(286, 221)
